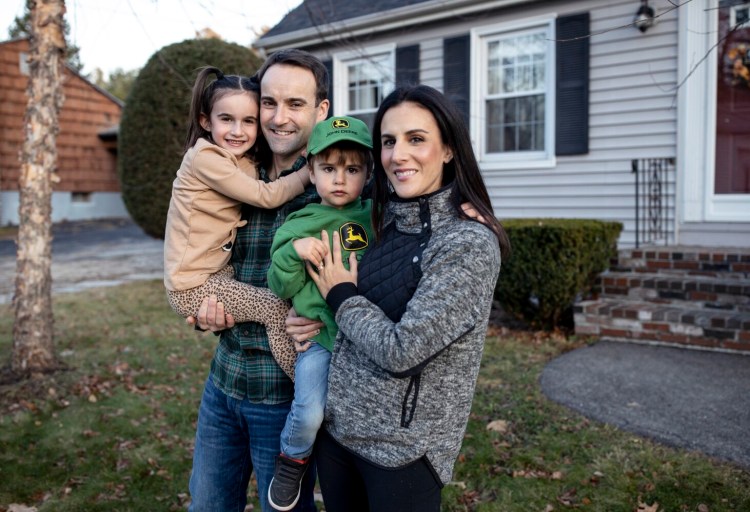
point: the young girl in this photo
(218, 173)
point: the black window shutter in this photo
(572, 91)
(329, 66)
(456, 57)
(407, 65)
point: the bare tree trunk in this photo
(33, 349)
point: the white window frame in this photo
(342, 60)
(480, 37)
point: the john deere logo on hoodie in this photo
(353, 236)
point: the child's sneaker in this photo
(283, 493)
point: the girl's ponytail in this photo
(200, 102)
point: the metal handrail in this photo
(652, 179)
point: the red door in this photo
(732, 171)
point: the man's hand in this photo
(211, 316)
(301, 330)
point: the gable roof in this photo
(312, 13)
(323, 21)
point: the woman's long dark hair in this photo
(462, 172)
(204, 96)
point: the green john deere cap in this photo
(338, 129)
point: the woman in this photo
(412, 315)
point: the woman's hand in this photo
(332, 270)
(301, 330)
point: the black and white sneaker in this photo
(283, 493)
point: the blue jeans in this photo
(233, 438)
(306, 415)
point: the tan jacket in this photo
(204, 212)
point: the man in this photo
(247, 395)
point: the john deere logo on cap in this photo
(340, 123)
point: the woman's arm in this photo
(453, 296)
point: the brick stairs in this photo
(688, 296)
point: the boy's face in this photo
(339, 176)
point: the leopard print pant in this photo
(246, 304)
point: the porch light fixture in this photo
(644, 18)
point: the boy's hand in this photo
(311, 249)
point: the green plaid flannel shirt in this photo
(243, 366)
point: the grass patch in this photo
(115, 430)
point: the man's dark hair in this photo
(302, 59)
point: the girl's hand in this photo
(311, 249)
(332, 271)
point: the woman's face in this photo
(413, 153)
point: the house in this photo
(635, 111)
(87, 143)
(563, 99)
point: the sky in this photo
(123, 34)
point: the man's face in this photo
(287, 108)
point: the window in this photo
(80, 197)
(516, 80)
(739, 16)
(362, 80)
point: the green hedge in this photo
(552, 262)
(155, 120)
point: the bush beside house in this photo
(155, 120)
(553, 261)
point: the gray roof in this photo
(312, 13)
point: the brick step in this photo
(689, 258)
(711, 292)
(680, 324)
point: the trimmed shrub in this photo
(553, 261)
(155, 120)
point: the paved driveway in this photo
(91, 254)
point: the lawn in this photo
(114, 431)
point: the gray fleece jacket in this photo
(400, 391)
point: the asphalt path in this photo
(91, 254)
(693, 399)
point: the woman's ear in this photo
(447, 155)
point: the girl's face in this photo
(413, 153)
(233, 122)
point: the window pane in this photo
(494, 124)
(515, 124)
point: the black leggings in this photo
(350, 483)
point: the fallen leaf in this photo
(703, 507)
(643, 507)
(498, 426)
(15, 507)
